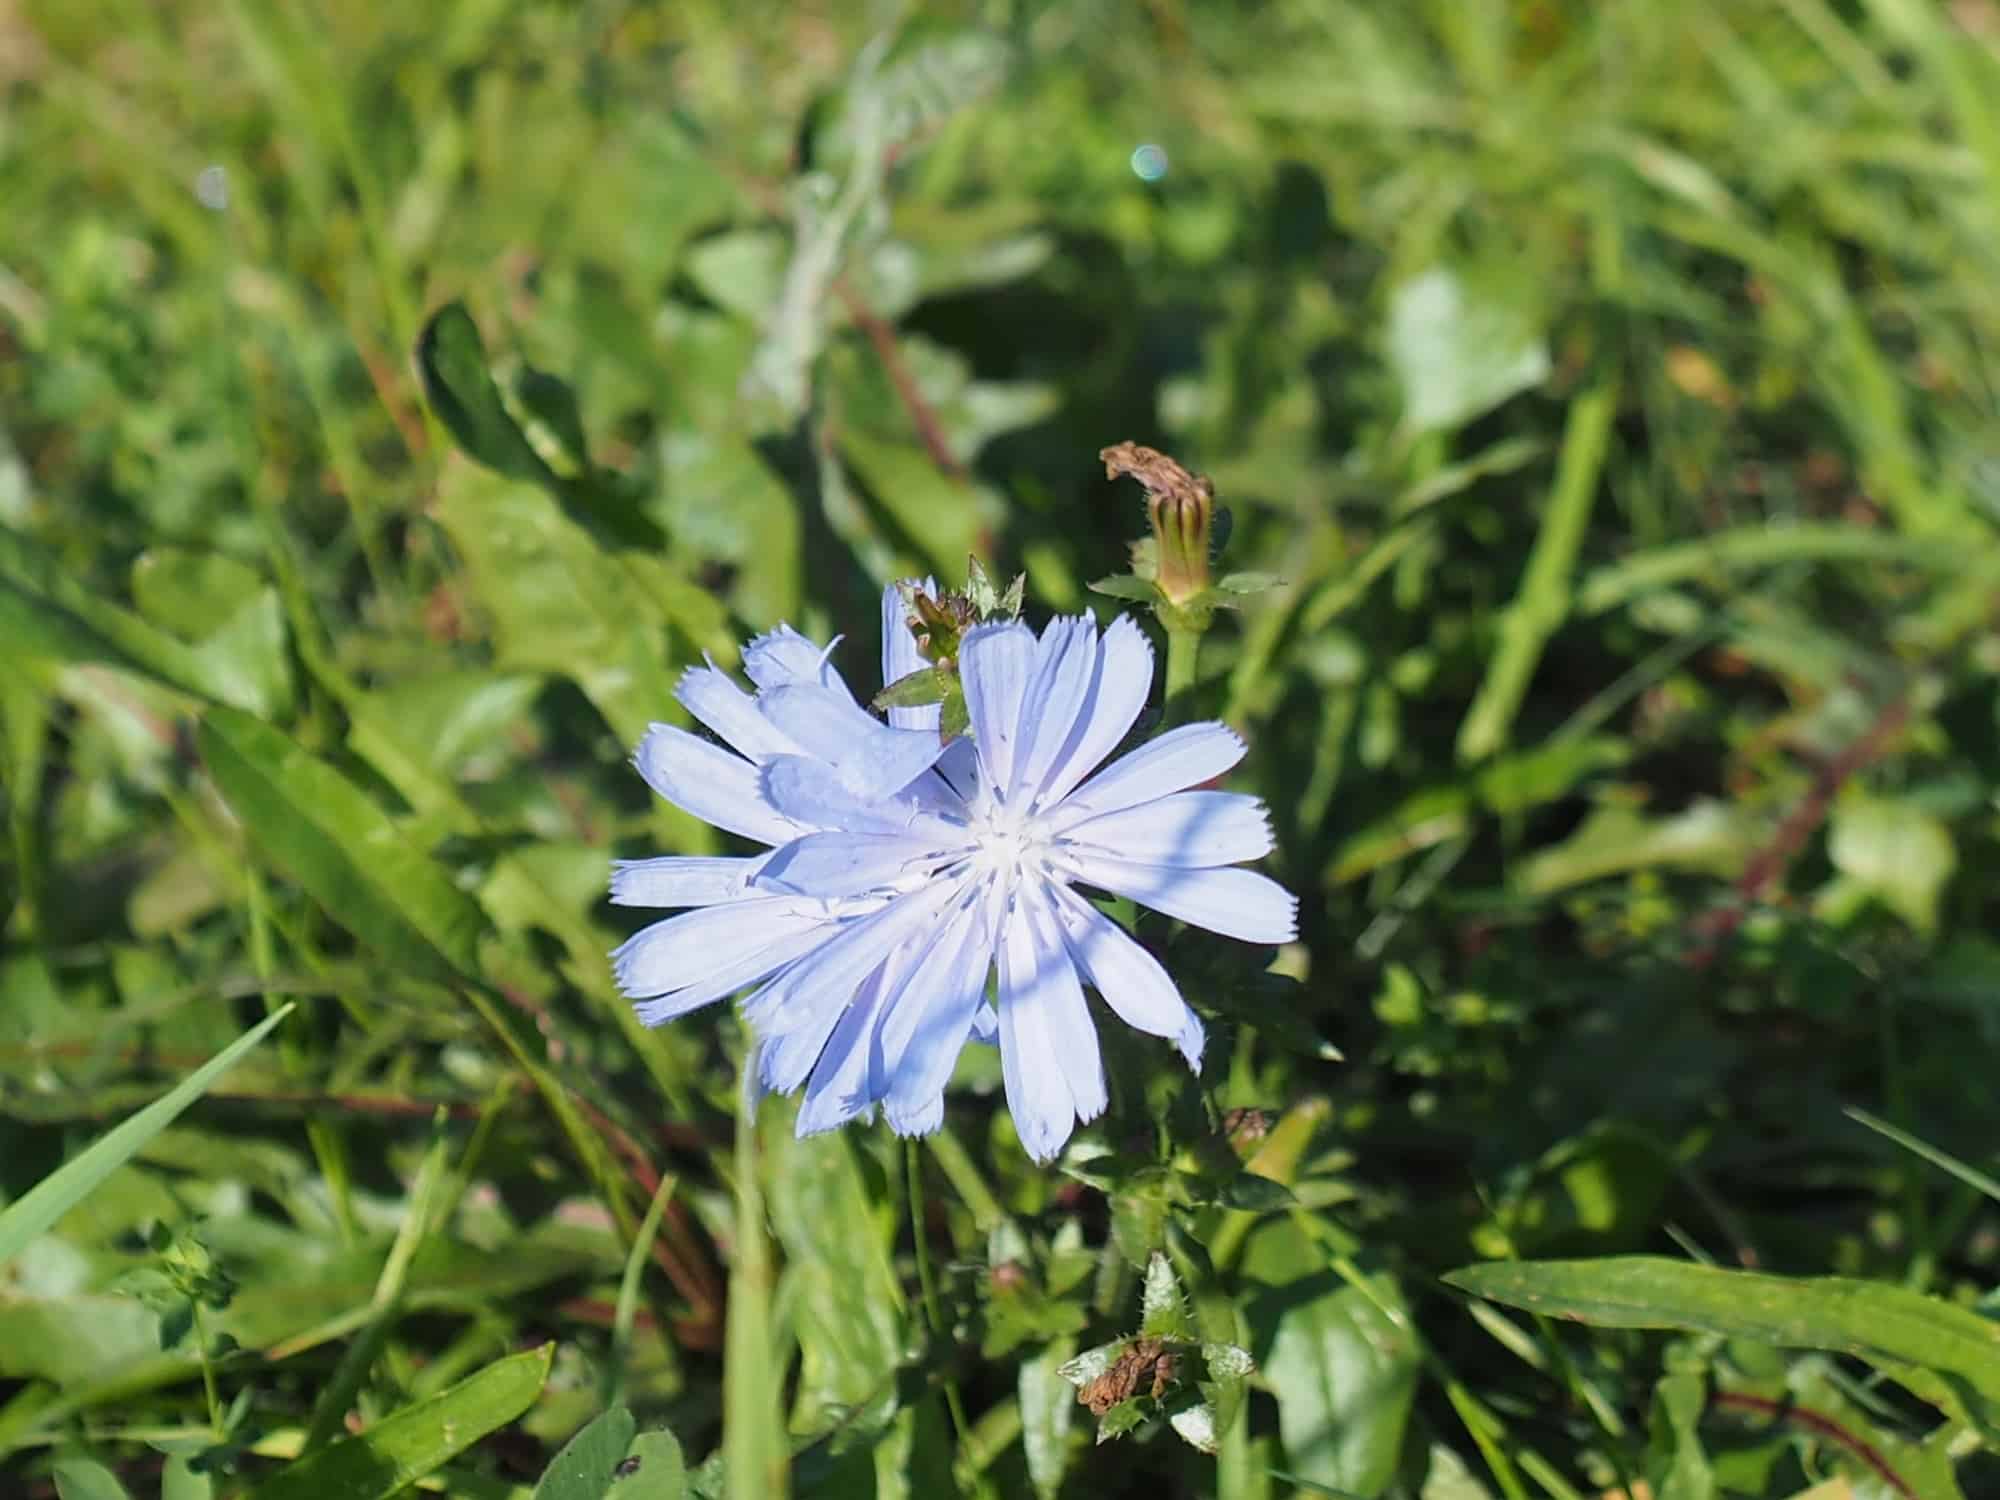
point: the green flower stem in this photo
(927, 1280)
(1183, 653)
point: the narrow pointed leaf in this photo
(331, 837)
(59, 1192)
(1899, 1330)
(402, 1448)
(452, 361)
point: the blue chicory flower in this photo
(903, 870)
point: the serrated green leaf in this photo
(1122, 1418)
(918, 689)
(1196, 1426)
(403, 1447)
(331, 837)
(1079, 1370)
(1227, 1361)
(955, 718)
(1163, 1309)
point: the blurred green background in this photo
(1612, 386)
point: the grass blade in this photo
(67, 1186)
(404, 1447)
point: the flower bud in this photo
(1182, 509)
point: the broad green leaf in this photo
(1893, 851)
(1680, 1468)
(86, 1479)
(553, 424)
(1128, 586)
(1048, 1411)
(180, 1480)
(1532, 778)
(846, 1300)
(723, 501)
(47, 611)
(588, 1463)
(462, 392)
(1345, 1374)
(944, 519)
(1901, 1331)
(100, 1345)
(653, 1469)
(558, 602)
(455, 719)
(233, 618)
(192, 594)
(405, 1446)
(52, 1197)
(1456, 352)
(331, 837)
(1707, 836)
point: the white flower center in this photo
(1009, 843)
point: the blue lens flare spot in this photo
(1149, 163)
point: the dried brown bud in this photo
(1182, 508)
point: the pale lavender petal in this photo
(873, 759)
(994, 664)
(806, 993)
(900, 656)
(1236, 903)
(1031, 1065)
(1066, 662)
(921, 1119)
(742, 972)
(725, 708)
(784, 658)
(707, 781)
(1187, 829)
(845, 864)
(812, 793)
(682, 880)
(1064, 1011)
(784, 1062)
(986, 1024)
(925, 1029)
(842, 1079)
(1118, 690)
(1178, 759)
(958, 771)
(1139, 991)
(700, 944)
